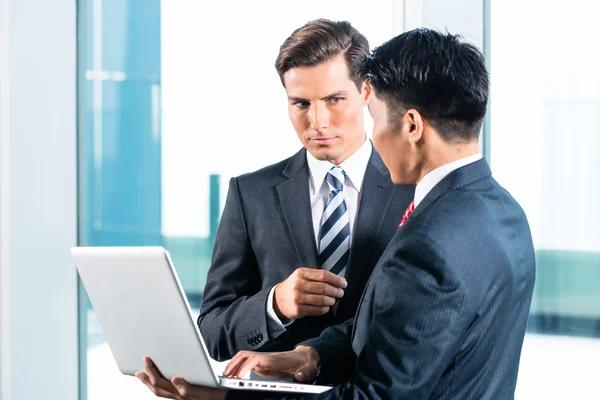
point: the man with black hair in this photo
(443, 315)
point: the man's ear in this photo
(415, 125)
(366, 92)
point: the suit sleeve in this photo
(337, 358)
(233, 315)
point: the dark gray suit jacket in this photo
(266, 232)
(444, 313)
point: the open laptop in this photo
(143, 311)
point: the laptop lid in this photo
(143, 311)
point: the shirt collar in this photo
(354, 167)
(434, 177)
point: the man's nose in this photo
(319, 117)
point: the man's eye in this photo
(335, 100)
(302, 104)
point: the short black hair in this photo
(319, 41)
(438, 74)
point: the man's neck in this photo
(356, 146)
(445, 155)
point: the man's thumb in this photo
(302, 374)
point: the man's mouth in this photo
(322, 141)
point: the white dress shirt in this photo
(355, 167)
(434, 177)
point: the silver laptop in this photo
(143, 311)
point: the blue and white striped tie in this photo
(334, 240)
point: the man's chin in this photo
(402, 180)
(323, 153)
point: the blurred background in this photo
(169, 99)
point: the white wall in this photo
(546, 95)
(38, 209)
(4, 284)
(463, 17)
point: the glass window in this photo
(120, 152)
(175, 97)
(545, 136)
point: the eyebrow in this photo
(329, 96)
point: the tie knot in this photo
(335, 178)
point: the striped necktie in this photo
(334, 240)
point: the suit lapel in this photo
(295, 205)
(376, 195)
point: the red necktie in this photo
(407, 213)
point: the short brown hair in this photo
(319, 41)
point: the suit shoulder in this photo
(269, 175)
(481, 210)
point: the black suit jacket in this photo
(266, 232)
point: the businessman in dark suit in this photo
(443, 315)
(278, 266)
(298, 239)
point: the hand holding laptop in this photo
(177, 387)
